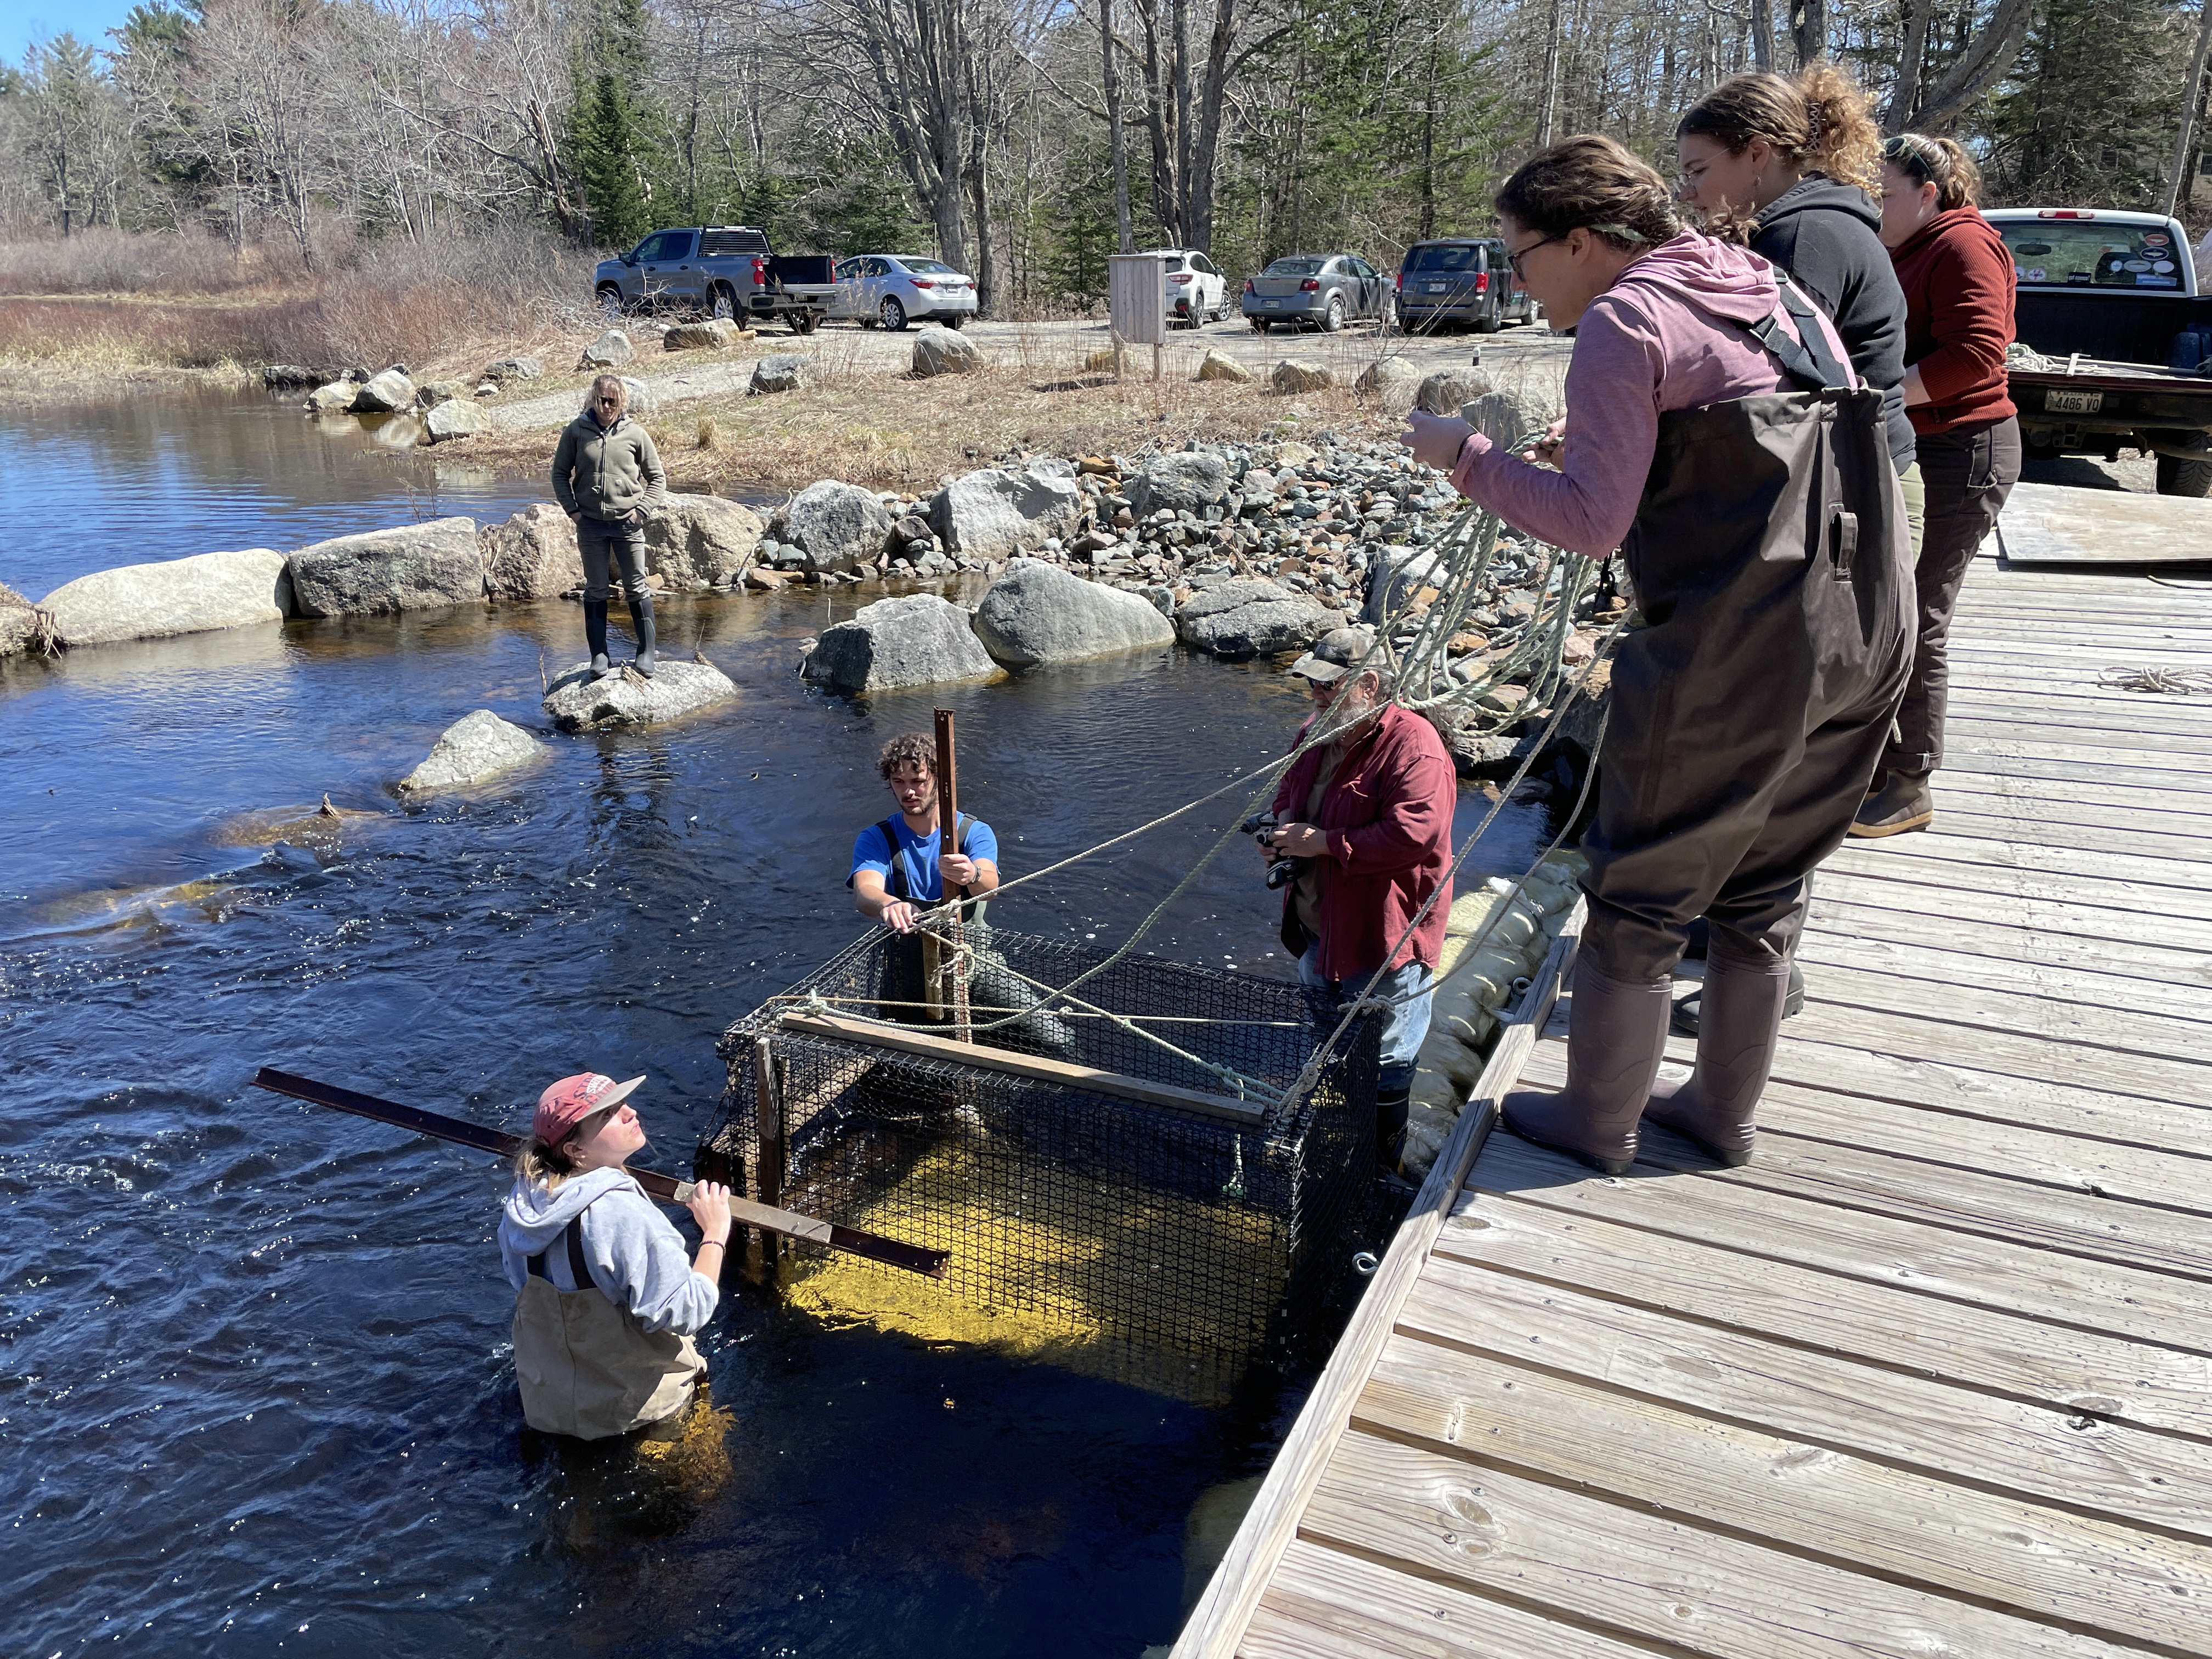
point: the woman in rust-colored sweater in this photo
(1958, 281)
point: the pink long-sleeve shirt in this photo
(1667, 336)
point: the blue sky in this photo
(22, 21)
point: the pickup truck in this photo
(721, 270)
(2119, 340)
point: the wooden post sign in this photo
(1137, 303)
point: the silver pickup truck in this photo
(721, 270)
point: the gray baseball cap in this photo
(1337, 653)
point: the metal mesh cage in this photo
(1184, 1239)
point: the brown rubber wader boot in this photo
(1902, 803)
(1616, 1038)
(1738, 1026)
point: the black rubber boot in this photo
(1390, 1105)
(1616, 1038)
(640, 620)
(595, 637)
(1741, 1021)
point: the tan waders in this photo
(1770, 559)
(586, 1367)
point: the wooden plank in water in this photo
(2042, 1455)
(2056, 1366)
(900, 1040)
(2056, 525)
(1853, 1512)
(1669, 1586)
(1325, 1604)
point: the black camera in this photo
(1283, 870)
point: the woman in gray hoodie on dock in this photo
(606, 1302)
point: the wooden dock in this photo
(1933, 1374)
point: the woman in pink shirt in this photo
(1716, 435)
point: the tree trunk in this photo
(1985, 58)
(1204, 151)
(1907, 93)
(2184, 148)
(1762, 35)
(1117, 142)
(1808, 30)
(1548, 108)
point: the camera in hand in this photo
(1282, 871)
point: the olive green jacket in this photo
(608, 473)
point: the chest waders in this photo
(1770, 561)
(912, 970)
(588, 1368)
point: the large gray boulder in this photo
(532, 555)
(1502, 418)
(1443, 391)
(918, 639)
(513, 368)
(334, 399)
(999, 511)
(454, 419)
(1186, 481)
(712, 335)
(385, 393)
(1038, 613)
(781, 372)
(1241, 619)
(836, 526)
(176, 596)
(610, 350)
(411, 568)
(472, 749)
(699, 541)
(1218, 365)
(577, 702)
(941, 351)
(1391, 382)
(19, 622)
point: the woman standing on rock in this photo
(1957, 275)
(1716, 437)
(608, 477)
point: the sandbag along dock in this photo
(1933, 1374)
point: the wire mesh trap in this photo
(1144, 1224)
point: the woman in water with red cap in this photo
(606, 1302)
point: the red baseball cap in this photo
(570, 1101)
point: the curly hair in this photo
(1816, 120)
(1590, 182)
(907, 749)
(1936, 161)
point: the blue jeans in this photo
(1405, 1027)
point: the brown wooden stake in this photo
(768, 1134)
(948, 841)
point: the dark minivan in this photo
(1460, 279)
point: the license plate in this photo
(2073, 403)
(1270, 303)
(1436, 287)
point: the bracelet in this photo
(721, 1245)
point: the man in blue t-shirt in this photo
(896, 867)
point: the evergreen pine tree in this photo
(615, 132)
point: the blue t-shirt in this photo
(917, 855)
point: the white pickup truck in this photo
(721, 270)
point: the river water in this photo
(255, 1395)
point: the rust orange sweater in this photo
(1958, 281)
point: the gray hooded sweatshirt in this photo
(636, 1256)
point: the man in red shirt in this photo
(1370, 811)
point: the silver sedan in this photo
(887, 290)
